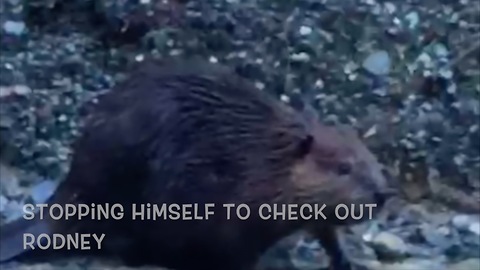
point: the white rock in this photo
(305, 30)
(391, 242)
(319, 84)
(475, 228)
(413, 19)
(416, 264)
(139, 58)
(10, 182)
(377, 63)
(302, 57)
(15, 28)
(260, 85)
(461, 221)
(3, 203)
(285, 98)
(390, 7)
(472, 263)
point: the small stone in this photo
(390, 242)
(413, 19)
(301, 57)
(475, 228)
(213, 59)
(21, 90)
(14, 28)
(139, 58)
(446, 73)
(260, 85)
(440, 50)
(62, 118)
(472, 263)
(462, 221)
(10, 182)
(390, 7)
(444, 230)
(13, 210)
(452, 88)
(305, 30)
(417, 264)
(319, 84)
(377, 63)
(434, 237)
(308, 255)
(3, 203)
(285, 98)
(370, 132)
(242, 54)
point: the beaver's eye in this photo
(344, 168)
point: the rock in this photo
(3, 203)
(300, 57)
(308, 255)
(413, 19)
(435, 238)
(390, 243)
(14, 28)
(422, 251)
(475, 228)
(305, 30)
(9, 181)
(417, 264)
(468, 264)
(462, 222)
(6, 91)
(42, 191)
(13, 210)
(377, 63)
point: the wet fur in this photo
(195, 133)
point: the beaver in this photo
(193, 132)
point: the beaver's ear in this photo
(305, 146)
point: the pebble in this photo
(413, 19)
(308, 256)
(301, 57)
(13, 210)
(417, 264)
(305, 30)
(391, 242)
(14, 28)
(10, 181)
(434, 237)
(3, 203)
(21, 90)
(462, 221)
(468, 264)
(475, 228)
(377, 63)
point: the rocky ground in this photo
(406, 74)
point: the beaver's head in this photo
(338, 168)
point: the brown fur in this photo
(195, 133)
